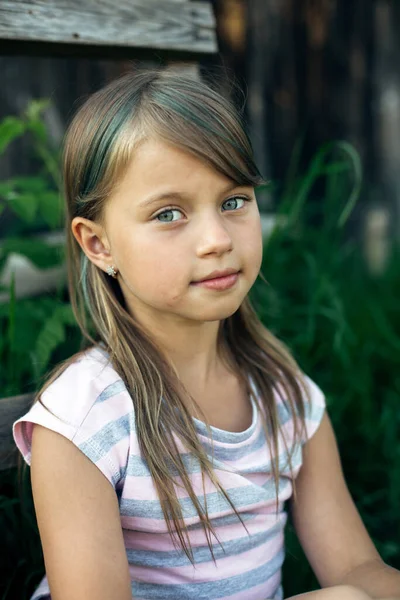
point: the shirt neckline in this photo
(226, 436)
(219, 435)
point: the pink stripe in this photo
(264, 590)
(141, 540)
(143, 488)
(262, 455)
(225, 567)
(144, 524)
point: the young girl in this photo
(162, 455)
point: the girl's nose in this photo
(213, 237)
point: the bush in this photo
(33, 331)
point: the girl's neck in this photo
(199, 372)
(197, 355)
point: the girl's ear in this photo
(93, 240)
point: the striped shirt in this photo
(97, 415)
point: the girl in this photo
(161, 456)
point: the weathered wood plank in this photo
(166, 24)
(11, 409)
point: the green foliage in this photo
(34, 329)
(30, 198)
(10, 129)
(33, 332)
(41, 254)
(36, 200)
(342, 325)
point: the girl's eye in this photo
(166, 215)
(234, 201)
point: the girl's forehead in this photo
(155, 153)
(157, 163)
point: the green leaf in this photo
(41, 254)
(38, 128)
(34, 122)
(10, 129)
(28, 324)
(51, 209)
(7, 189)
(35, 108)
(50, 337)
(24, 205)
(28, 184)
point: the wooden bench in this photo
(10, 410)
(174, 32)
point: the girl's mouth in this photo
(219, 283)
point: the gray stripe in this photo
(313, 412)
(111, 390)
(177, 558)
(230, 437)
(233, 453)
(284, 414)
(216, 503)
(103, 440)
(94, 453)
(137, 466)
(226, 520)
(210, 590)
(316, 413)
(112, 433)
(278, 594)
(109, 435)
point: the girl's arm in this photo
(79, 523)
(329, 527)
(337, 592)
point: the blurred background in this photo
(318, 84)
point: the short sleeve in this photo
(314, 407)
(92, 408)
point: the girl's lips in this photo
(219, 283)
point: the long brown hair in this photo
(98, 146)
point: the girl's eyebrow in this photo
(181, 195)
(165, 196)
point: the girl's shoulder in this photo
(314, 404)
(89, 404)
(89, 380)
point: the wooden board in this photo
(160, 24)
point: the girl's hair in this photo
(99, 145)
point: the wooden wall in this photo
(322, 69)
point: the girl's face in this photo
(174, 220)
